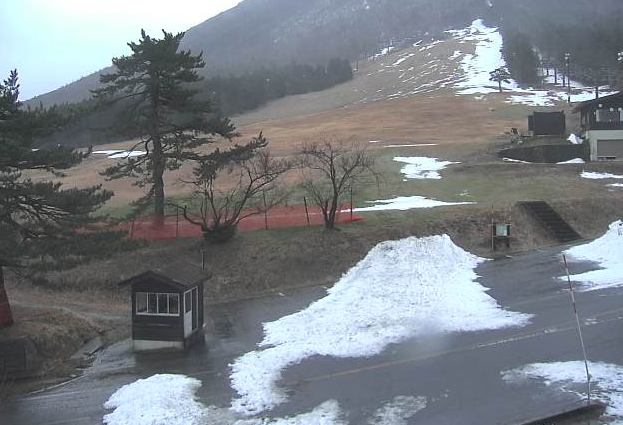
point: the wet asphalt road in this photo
(460, 373)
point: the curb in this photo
(594, 410)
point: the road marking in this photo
(563, 327)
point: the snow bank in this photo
(400, 290)
(157, 400)
(403, 203)
(606, 251)
(607, 381)
(421, 167)
(398, 411)
(597, 176)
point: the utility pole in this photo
(567, 59)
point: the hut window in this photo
(141, 303)
(157, 304)
(187, 302)
(174, 304)
(152, 307)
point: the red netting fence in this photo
(175, 226)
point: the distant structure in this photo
(547, 123)
(167, 306)
(602, 126)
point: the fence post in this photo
(132, 227)
(265, 211)
(177, 223)
(351, 203)
(306, 211)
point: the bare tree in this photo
(330, 168)
(230, 193)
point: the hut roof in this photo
(181, 274)
(607, 100)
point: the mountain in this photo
(275, 32)
(259, 33)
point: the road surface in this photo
(460, 373)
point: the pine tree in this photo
(42, 225)
(500, 75)
(160, 108)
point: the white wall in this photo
(594, 135)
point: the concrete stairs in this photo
(551, 220)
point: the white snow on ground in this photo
(158, 400)
(421, 167)
(597, 176)
(615, 185)
(606, 382)
(572, 161)
(606, 251)
(518, 161)
(328, 413)
(398, 411)
(411, 145)
(400, 290)
(115, 154)
(403, 203)
(170, 399)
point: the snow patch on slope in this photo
(421, 167)
(400, 290)
(404, 203)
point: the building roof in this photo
(181, 273)
(593, 103)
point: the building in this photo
(602, 126)
(167, 306)
(547, 123)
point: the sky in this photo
(55, 42)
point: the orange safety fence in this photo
(176, 226)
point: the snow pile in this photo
(421, 167)
(607, 381)
(572, 161)
(597, 176)
(575, 139)
(403, 203)
(117, 153)
(157, 400)
(615, 185)
(398, 411)
(400, 290)
(606, 251)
